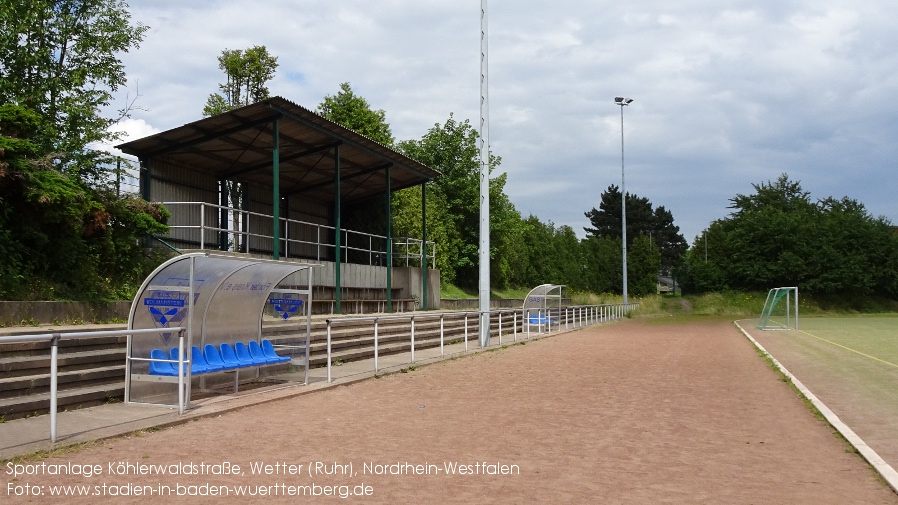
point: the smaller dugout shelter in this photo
(540, 302)
(219, 301)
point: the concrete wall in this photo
(18, 313)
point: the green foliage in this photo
(60, 59)
(354, 112)
(452, 149)
(779, 237)
(62, 238)
(248, 71)
(642, 219)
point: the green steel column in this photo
(338, 231)
(276, 192)
(424, 246)
(389, 262)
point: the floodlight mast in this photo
(623, 102)
(484, 252)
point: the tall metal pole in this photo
(484, 182)
(623, 102)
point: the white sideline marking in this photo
(885, 470)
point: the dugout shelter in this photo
(221, 303)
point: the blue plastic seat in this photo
(255, 350)
(229, 357)
(195, 368)
(173, 355)
(268, 351)
(214, 359)
(161, 367)
(244, 356)
(196, 356)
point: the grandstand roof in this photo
(238, 145)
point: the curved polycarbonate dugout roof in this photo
(539, 296)
(229, 296)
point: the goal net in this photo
(780, 310)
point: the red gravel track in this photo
(630, 412)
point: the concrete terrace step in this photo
(12, 387)
(18, 366)
(12, 408)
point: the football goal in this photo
(780, 310)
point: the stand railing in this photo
(522, 322)
(54, 339)
(312, 239)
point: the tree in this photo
(354, 112)
(63, 232)
(452, 149)
(61, 237)
(642, 219)
(247, 74)
(60, 59)
(778, 236)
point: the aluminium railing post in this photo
(442, 339)
(466, 332)
(515, 325)
(413, 340)
(54, 362)
(500, 328)
(181, 372)
(286, 238)
(202, 226)
(527, 322)
(329, 351)
(375, 346)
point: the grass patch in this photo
(453, 292)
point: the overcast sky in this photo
(726, 94)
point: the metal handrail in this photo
(54, 339)
(287, 241)
(582, 315)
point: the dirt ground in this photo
(629, 412)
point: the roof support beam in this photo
(302, 154)
(339, 178)
(329, 133)
(207, 136)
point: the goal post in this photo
(780, 310)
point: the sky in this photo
(725, 94)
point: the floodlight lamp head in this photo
(622, 101)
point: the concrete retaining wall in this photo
(26, 313)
